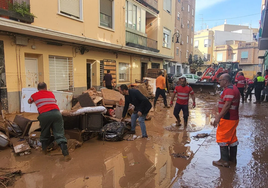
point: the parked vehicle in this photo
(191, 78)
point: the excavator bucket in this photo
(204, 87)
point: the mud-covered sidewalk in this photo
(170, 157)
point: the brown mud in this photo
(169, 158)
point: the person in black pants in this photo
(259, 83)
(250, 87)
(107, 80)
(160, 89)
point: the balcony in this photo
(14, 10)
(151, 4)
(138, 41)
(105, 20)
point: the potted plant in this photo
(18, 11)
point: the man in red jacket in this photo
(240, 81)
(183, 91)
(49, 118)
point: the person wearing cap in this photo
(259, 85)
(183, 91)
(240, 81)
(160, 89)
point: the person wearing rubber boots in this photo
(183, 90)
(259, 83)
(240, 81)
(49, 118)
(227, 121)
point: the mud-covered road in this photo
(170, 157)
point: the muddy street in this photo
(170, 157)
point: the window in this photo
(192, 27)
(207, 43)
(196, 43)
(188, 8)
(195, 57)
(192, 12)
(166, 38)
(167, 5)
(244, 55)
(189, 76)
(61, 73)
(187, 54)
(71, 8)
(177, 51)
(191, 41)
(178, 16)
(219, 57)
(123, 72)
(135, 17)
(187, 39)
(179, 1)
(188, 24)
(155, 65)
(106, 13)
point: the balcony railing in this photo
(105, 20)
(152, 4)
(138, 41)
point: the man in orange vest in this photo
(227, 121)
(160, 89)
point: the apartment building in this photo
(71, 44)
(224, 43)
(183, 37)
(246, 53)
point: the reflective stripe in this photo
(186, 94)
(220, 105)
(183, 97)
(241, 82)
(228, 96)
(226, 144)
(44, 103)
(45, 100)
(191, 92)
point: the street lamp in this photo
(177, 35)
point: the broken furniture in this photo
(88, 120)
(4, 140)
(111, 97)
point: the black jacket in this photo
(140, 102)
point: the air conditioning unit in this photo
(181, 42)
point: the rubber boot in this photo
(44, 147)
(224, 161)
(65, 152)
(185, 123)
(178, 122)
(233, 153)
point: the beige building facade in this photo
(70, 45)
(183, 37)
(246, 53)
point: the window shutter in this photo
(60, 73)
(71, 7)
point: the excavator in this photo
(211, 75)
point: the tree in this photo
(190, 59)
(196, 63)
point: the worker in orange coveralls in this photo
(227, 121)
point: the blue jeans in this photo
(134, 117)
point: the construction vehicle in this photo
(211, 75)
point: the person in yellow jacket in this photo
(160, 89)
(259, 83)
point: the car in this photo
(191, 78)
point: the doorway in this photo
(31, 71)
(88, 75)
(144, 68)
